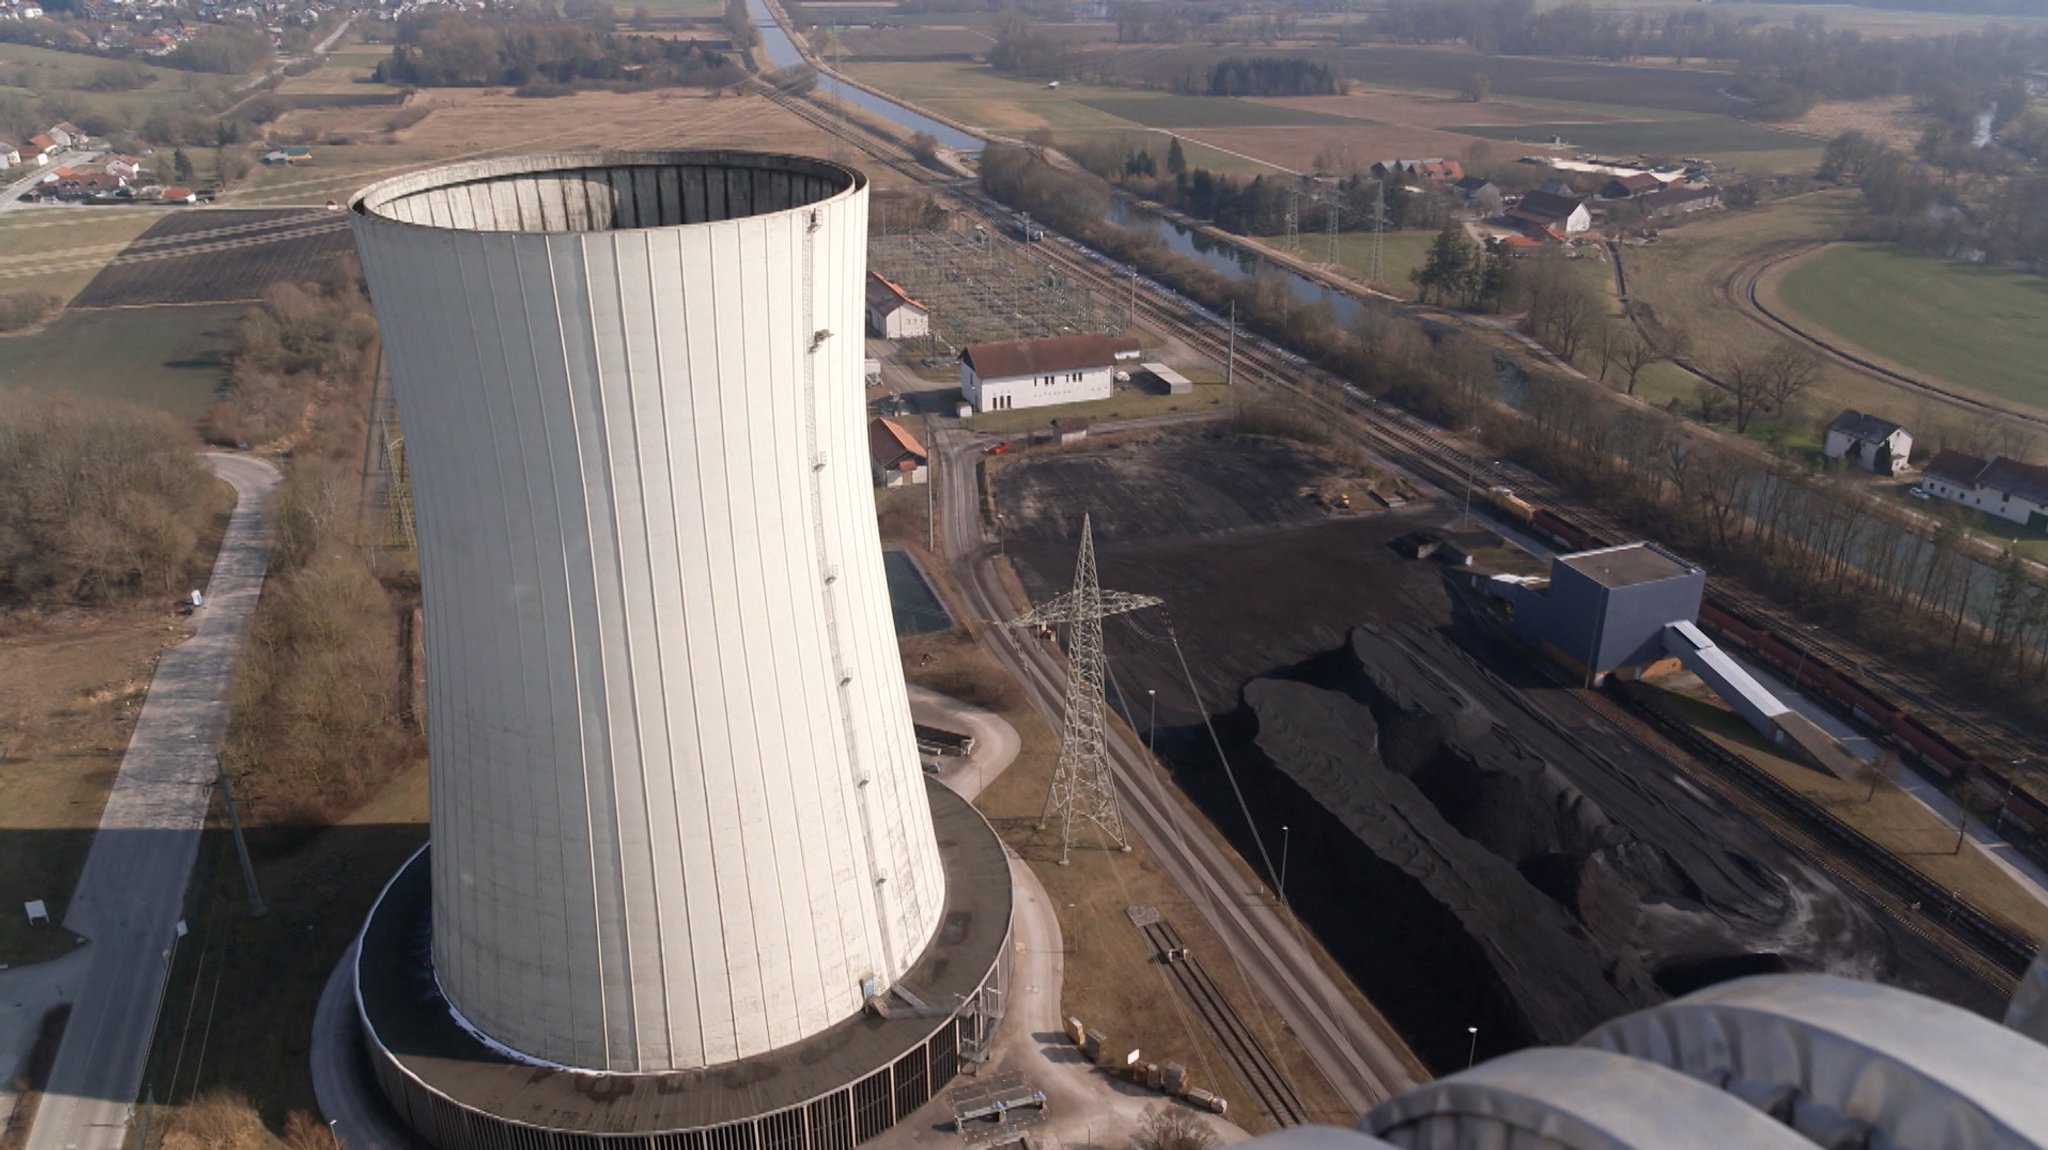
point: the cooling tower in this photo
(678, 823)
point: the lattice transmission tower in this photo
(1082, 789)
(398, 524)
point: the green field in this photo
(28, 73)
(163, 357)
(1401, 252)
(1977, 328)
(1677, 136)
(1167, 111)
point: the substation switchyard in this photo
(686, 885)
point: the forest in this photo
(470, 50)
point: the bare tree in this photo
(1173, 1128)
(1633, 353)
(1789, 371)
(1761, 383)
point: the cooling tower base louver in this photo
(827, 1093)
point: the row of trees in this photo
(480, 50)
(1909, 202)
(1780, 69)
(1458, 274)
(283, 350)
(1259, 205)
(1273, 76)
(1818, 544)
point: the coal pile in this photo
(1479, 856)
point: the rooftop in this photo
(1042, 356)
(397, 992)
(1865, 428)
(1627, 565)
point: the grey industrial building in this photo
(1606, 610)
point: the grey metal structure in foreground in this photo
(1777, 1062)
(680, 833)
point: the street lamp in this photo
(1152, 738)
(1471, 469)
(1283, 864)
(1001, 548)
(1472, 1053)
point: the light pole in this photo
(1472, 1053)
(1002, 549)
(1471, 472)
(1152, 737)
(1283, 864)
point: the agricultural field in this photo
(1401, 252)
(1869, 21)
(363, 144)
(1973, 328)
(164, 357)
(217, 256)
(1162, 110)
(1425, 110)
(59, 250)
(1710, 136)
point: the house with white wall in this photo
(1042, 372)
(892, 314)
(1869, 442)
(2007, 488)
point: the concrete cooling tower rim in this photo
(826, 1093)
(638, 190)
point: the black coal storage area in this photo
(1478, 859)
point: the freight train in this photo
(1888, 722)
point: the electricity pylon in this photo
(1082, 789)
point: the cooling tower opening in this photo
(606, 191)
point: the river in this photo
(783, 54)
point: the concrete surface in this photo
(132, 888)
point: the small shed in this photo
(1172, 381)
(1070, 429)
(897, 457)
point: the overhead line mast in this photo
(1082, 788)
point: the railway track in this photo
(1257, 1068)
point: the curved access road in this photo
(132, 888)
(1359, 1060)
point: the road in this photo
(1358, 1060)
(132, 889)
(10, 197)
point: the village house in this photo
(9, 154)
(1431, 170)
(2007, 488)
(1871, 443)
(1543, 211)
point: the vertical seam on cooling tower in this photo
(583, 771)
(660, 675)
(841, 675)
(730, 796)
(625, 893)
(703, 803)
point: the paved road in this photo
(132, 889)
(1358, 1059)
